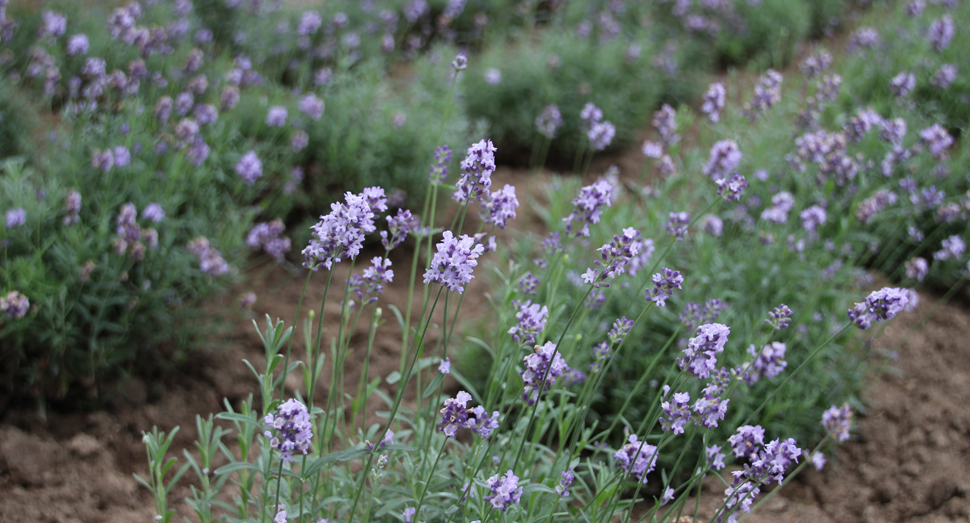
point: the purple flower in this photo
(398, 228)
(16, 218)
(953, 247)
(544, 363)
(893, 130)
(341, 233)
(863, 38)
(587, 207)
(812, 217)
(439, 170)
(299, 141)
(445, 366)
(917, 268)
(872, 205)
(408, 514)
(590, 114)
(249, 168)
(528, 284)
(767, 464)
(268, 237)
(700, 355)
(780, 317)
(652, 149)
(712, 225)
(902, 84)
(637, 458)
(453, 262)
(53, 25)
(677, 225)
(210, 260)
(460, 63)
(310, 22)
(493, 76)
(621, 327)
(818, 460)
(767, 93)
(531, 318)
(724, 159)
(246, 301)
(940, 33)
(454, 414)
(198, 151)
(768, 363)
(665, 122)
(122, 156)
(677, 414)
(14, 305)
(730, 188)
(781, 204)
(153, 212)
(477, 169)
(615, 257)
(206, 114)
(184, 103)
(747, 440)
(937, 139)
(370, 284)
(664, 282)
(229, 98)
(505, 490)
(715, 457)
(714, 101)
(710, 408)
(694, 316)
(72, 205)
(944, 76)
(500, 207)
(549, 121)
(566, 478)
(311, 106)
(77, 44)
(276, 116)
(482, 423)
(881, 305)
(816, 63)
(103, 160)
(293, 429)
(600, 135)
(837, 422)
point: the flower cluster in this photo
(505, 491)
(454, 261)
(500, 206)
(439, 169)
(676, 414)
(371, 283)
(700, 355)
(637, 458)
(769, 462)
(531, 318)
(714, 101)
(881, 305)
(614, 257)
(528, 284)
(694, 315)
(566, 479)
(730, 188)
(210, 260)
(677, 225)
(541, 370)
(477, 169)
(587, 207)
(293, 428)
(837, 422)
(268, 237)
(723, 160)
(665, 122)
(766, 363)
(549, 121)
(780, 317)
(663, 283)
(15, 305)
(341, 233)
(767, 93)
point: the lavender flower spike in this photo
(505, 490)
(700, 356)
(780, 317)
(881, 305)
(637, 458)
(454, 261)
(293, 427)
(545, 362)
(664, 282)
(477, 169)
(837, 421)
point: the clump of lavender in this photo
(499, 207)
(16, 218)
(677, 225)
(268, 237)
(398, 227)
(566, 479)
(902, 84)
(546, 363)
(601, 135)
(531, 318)
(837, 422)
(767, 93)
(505, 491)
(767, 464)
(439, 169)
(917, 268)
(944, 76)
(454, 261)
(249, 168)
(714, 101)
(15, 305)
(477, 169)
(781, 204)
(700, 355)
(665, 122)
(210, 260)
(549, 121)
(341, 233)
(293, 429)
(72, 205)
(941, 33)
(730, 188)
(676, 414)
(276, 116)
(587, 207)
(780, 317)
(767, 363)
(723, 160)
(312, 106)
(952, 247)
(664, 282)
(637, 458)
(694, 315)
(880, 305)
